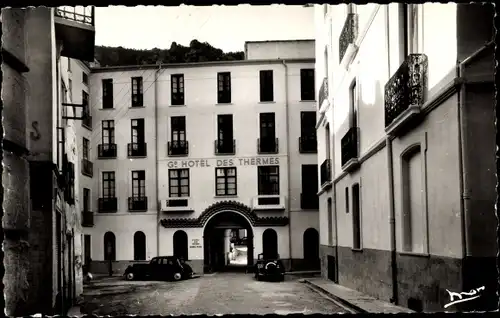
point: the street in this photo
(220, 293)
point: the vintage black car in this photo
(160, 268)
(269, 268)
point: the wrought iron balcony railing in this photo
(78, 14)
(137, 149)
(136, 204)
(348, 35)
(323, 92)
(225, 146)
(308, 144)
(108, 205)
(406, 87)
(349, 145)
(178, 148)
(106, 151)
(267, 145)
(326, 172)
(87, 168)
(87, 218)
(309, 201)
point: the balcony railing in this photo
(108, 205)
(225, 147)
(87, 218)
(406, 88)
(323, 92)
(87, 168)
(308, 144)
(136, 204)
(267, 145)
(349, 145)
(178, 148)
(87, 120)
(309, 201)
(106, 151)
(75, 30)
(137, 149)
(348, 35)
(78, 14)
(326, 172)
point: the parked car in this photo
(269, 268)
(160, 268)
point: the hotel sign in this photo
(195, 243)
(226, 162)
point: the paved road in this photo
(220, 293)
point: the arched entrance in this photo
(217, 241)
(311, 248)
(270, 244)
(180, 241)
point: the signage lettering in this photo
(195, 243)
(230, 162)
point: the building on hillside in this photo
(41, 209)
(183, 153)
(406, 148)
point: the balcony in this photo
(326, 172)
(75, 28)
(308, 144)
(349, 149)
(108, 205)
(225, 147)
(323, 92)
(347, 39)
(178, 148)
(405, 93)
(106, 151)
(267, 145)
(87, 121)
(309, 201)
(87, 168)
(138, 204)
(137, 150)
(87, 219)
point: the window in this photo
(354, 105)
(356, 217)
(85, 102)
(268, 180)
(346, 199)
(108, 184)
(86, 199)
(178, 182)
(108, 132)
(267, 126)
(137, 99)
(107, 93)
(137, 131)
(85, 78)
(109, 246)
(178, 128)
(85, 149)
(410, 27)
(310, 180)
(177, 82)
(225, 127)
(224, 87)
(327, 141)
(138, 184)
(225, 181)
(308, 124)
(139, 246)
(69, 64)
(70, 88)
(307, 90)
(266, 86)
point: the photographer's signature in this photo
(456, 298)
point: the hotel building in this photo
(182, 153)
(406, 148)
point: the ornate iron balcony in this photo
(178, 148)
(308, 144)
(87, 168)
(108, 205)
(106, 151)
(349, 34)
(326, 171)
(136, 204)
(309, 201)
(323, 92)
(267, 145)
(137, 149)
(87, 218)
(349, 145)
(406, 87)
(225, 146)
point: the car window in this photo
(154, 261)
(170, 262)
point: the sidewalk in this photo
(353, 300)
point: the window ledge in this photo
(351, 165)
(106, 158)
(308, 100)
(112, 108)
(225, 196)
(172, 105)
(87, 127)
(132, 107)
(358, 250)
(268, 102)
(415, 254)
(220, 104)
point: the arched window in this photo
(139, 246)
(270, 244)
(181, 244)
(311, 244)
(109, 246)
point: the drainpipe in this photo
(288, 163)
(158, 202)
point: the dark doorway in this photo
(270, 244)
(217, 242)
(109, 246)
(180, 241)
(139, 246)
(331, 268)
(311, 248)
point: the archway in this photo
(311, 248)
(270, 244)
(180, 241)
(139, 246)
(217, 242)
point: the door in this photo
(225, 127)
(310, 179)
(267, 126)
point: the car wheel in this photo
(129, 276)
(177, 276)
